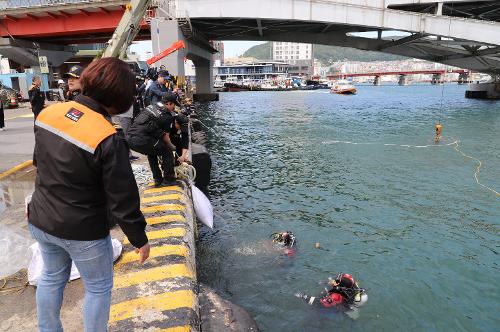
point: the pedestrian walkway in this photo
(161, 294)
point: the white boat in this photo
(343, 87)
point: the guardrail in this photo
(10, 4)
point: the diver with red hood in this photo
(343, 290)
(285, 240)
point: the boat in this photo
(343, 87)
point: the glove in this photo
(303, 296)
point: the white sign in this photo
(44, 64)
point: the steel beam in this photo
(402, 41)
(259, 27)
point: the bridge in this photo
(459, 33)
(437, 75)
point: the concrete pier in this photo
(161, 294)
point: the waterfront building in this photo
(252, 71)
(298, 55)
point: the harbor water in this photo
(400, 213)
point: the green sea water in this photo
(403, 215)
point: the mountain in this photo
(326, 54)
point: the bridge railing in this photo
(11, 4)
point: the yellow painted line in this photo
(165, 219)
(152, 274)
(159, 251)
(144, 305)
(150, 199)
(162, 234)
(29, 115)
(163, 189)
(163, 207)
(186, 328)
(16, 168)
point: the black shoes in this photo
(165, 183)
(169, 182)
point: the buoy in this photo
(317, 246)
(439, 129)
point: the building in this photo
(291, 52)
(298, 55)
(253, 71)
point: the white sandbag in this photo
(35, 266)
(202, 207)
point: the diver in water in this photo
(343, 290)
(286, 240)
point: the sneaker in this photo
(2, 129)
(132, 158)
(158, 183)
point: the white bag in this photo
(35, 266)
(202, 207)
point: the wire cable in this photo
(455, 144)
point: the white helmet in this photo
(60, 82)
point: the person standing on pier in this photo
(84, 180)
(36, 97)
(74, 86)
(2, 116)
(158, 90)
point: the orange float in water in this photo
(439, 129)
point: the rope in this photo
(455, 144)
(185, 171)
(476, 173)
(19, 278)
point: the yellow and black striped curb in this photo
(161, 294)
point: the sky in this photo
(231, 48)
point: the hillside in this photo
(326, 54)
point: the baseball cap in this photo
(60, 82)
(74, 71)
(170, 98)
(163, 73)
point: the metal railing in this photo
(12, 4)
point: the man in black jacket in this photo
(36, 97)
(149, 135)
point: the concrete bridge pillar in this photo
(377, 80)
(403, 80)
(165, 32)
(204, 75)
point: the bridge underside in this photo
(477, 56)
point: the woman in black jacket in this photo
(84, 181)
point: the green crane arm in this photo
(127, 28)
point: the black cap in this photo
(74, 71)
(170, 98)
(182, 119)
(163, 73)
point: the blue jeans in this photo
(94, 260)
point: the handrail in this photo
(11, 4)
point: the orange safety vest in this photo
(77, 124)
